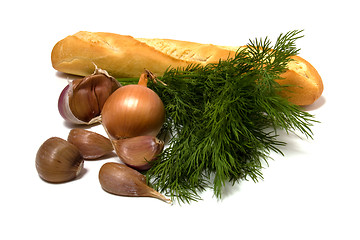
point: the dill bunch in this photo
(224, 119)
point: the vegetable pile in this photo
(219, 123)
(223, 118)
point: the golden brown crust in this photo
(189, 51)
(305, 83)
(121, 56)
(125, 56)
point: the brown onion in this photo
(133, 110)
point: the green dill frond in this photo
(224, 118)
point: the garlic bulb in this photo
(138, 152)
(58, 161)
(82, 100)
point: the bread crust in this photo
(304, 83)
(124, 56)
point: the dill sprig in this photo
(224, 119)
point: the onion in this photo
(133, 110)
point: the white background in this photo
(311, 193)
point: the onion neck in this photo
(145, 76)
(143, 80)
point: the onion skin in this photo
(133, 110)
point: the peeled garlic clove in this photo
(82, 100)
(122, 180)
(138, 152)
(90, 144)
(58, 161)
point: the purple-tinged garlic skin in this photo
(90, 144)
(122, 180)
(63, 106)
(138, 152)
(82, 100)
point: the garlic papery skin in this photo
(82, 100)
(119, 179)
(90, 144)
(58, 161)
(138, 152)
(64, 107)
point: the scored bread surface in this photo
(126, 56)
(189, 51)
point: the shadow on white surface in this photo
(316, 105)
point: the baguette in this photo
(125, 56)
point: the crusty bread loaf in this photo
(125, 56)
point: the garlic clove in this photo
(90, 144)
(82, 100)
(58, 161)
(138, 152)
(122, 180)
